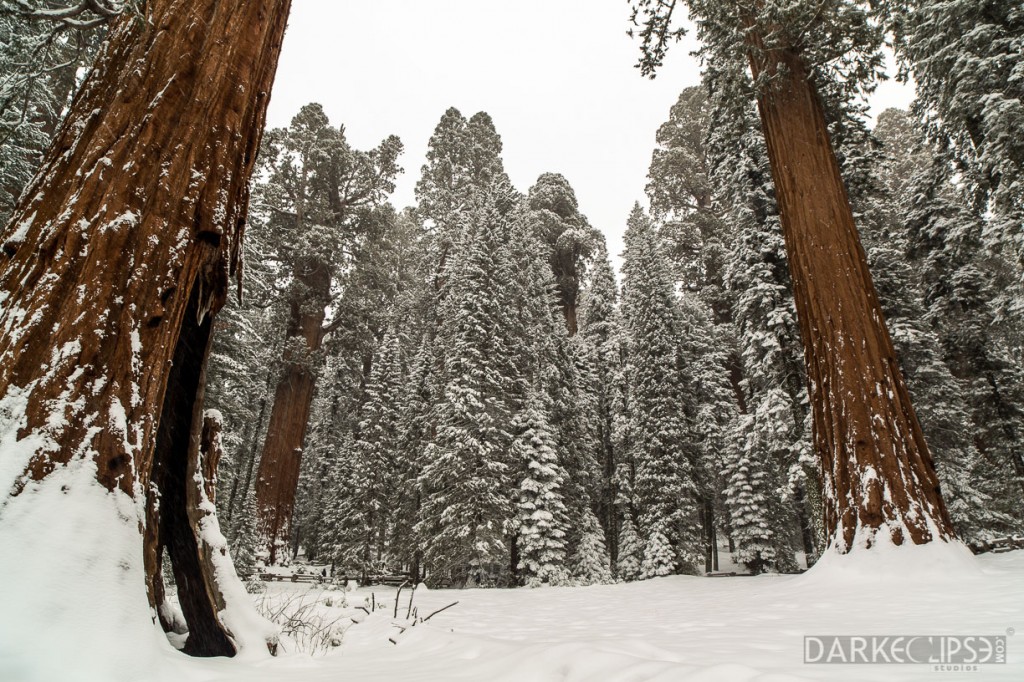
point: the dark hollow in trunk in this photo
(178, 426)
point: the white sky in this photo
(556, 76)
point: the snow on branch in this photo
(85, 14)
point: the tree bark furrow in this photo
(119, 252)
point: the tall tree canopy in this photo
(878, 477)
(318, 194)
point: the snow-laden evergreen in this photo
(369, 493)
(769, 469)
(680, 414)
(966, 58)
(463, 158)
(603, 348)
(666, 490)
(468, 482)
(540, 539)
(590, 563)
(659, 558)
(244, 544)
(631, 551)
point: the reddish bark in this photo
(878, 474)
(278, 475)
(569, 313)
(121, 251)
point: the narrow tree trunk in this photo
(249, 434)
(278, 476)
(254, 442)
(878, 477)
(110, 271)
(607, 511)
(1007, 416)
(513, 560)
(415, 571)
(804, 521)
(709, 536)
(734, 365)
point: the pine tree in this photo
(414, 429)
(666, 490)
(344, 533)
(463, 159)
(659, 559)
(630, 551)
(601, 329)
(752, 492)
(590, 563)
(575, 433)
(468, 510)
(541, 511)
(245, 544)
(711, 408)
(965, 57)
(550, 358)
(376, 445)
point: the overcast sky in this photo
(556, 76)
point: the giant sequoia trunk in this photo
(278, 476)
(111, 269)
(567, 284)
(878, 477)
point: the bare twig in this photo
(412, 594)
(398, 596)
(443, 608)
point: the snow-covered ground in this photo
(674, 628)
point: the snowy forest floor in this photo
(673, 628)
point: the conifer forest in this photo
(258, 401)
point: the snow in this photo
(936, 563)
(72, 585)
(16, 452)
(670, 628)
(19, 234)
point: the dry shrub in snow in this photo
(306, 625)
